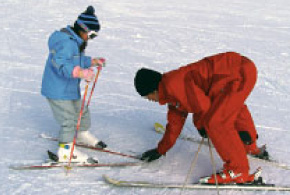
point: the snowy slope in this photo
(162, 35)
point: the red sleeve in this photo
(176, 120)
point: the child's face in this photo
(84, 36)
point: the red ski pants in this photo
(228, 115)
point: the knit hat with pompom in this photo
(87, 21)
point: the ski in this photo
(238, 187)
(161, 130)
(92, 148)
(52, 162)
(51, 165)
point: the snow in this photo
(161, 35)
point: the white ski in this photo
(52, 165)
(240, 187)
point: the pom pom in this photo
(90, 10)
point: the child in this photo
(65, 67)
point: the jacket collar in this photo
(74, 36)
(162, 94)
(165, 98)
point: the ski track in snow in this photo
(157, 34)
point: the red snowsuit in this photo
(214, 89)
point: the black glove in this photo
(245, 137)
(202, 133)
(150, 155)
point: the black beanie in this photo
(147, 81)
(88, 21)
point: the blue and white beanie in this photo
(88, 21)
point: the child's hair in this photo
(77, 28)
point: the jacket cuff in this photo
(87, 61)
(161, 151)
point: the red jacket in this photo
(191, 89)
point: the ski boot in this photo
(231, 177)
(86, 138)
(64, 152)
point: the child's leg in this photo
(65, 114)
(84, 136)
(86, 116)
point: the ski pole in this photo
(192, 165)
(81, 113)
(213, 166)
(93, 87)
(78, 126)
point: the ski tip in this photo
(42, 135)
(113, 181)
(105, 176)
(14, 167)
(159, 128)
(108, 179)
